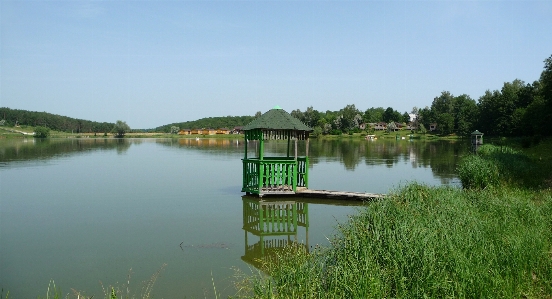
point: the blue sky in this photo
(152, 63)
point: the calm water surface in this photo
(87, 212)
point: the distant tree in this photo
(357, 121)
(327, 128)
(317, 131)
(546, 94)
(347, 121)
(311, 117)
(2, 122)
(373, 115)
(388, 115)
(258, 114)
(405, 117)
(175, 130)
(391, 127)
(465, 114)
(120, 129)
(422, 129)
(445, 123)
(41, 132)
(297, 114)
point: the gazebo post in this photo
(288, 136)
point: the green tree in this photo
(120, 129)
(348, 114)
(41, 132)
(405, 117)
(311, 117)
(373, 115)
(445, 123)
(389, 115)
(465, 114)
(546, 94)
(175, 130)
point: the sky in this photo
(152, 63)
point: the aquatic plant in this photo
(427, 242)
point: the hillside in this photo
(209, 122)
(12, 117)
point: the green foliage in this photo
(317, 132)
(424, 242)
(52, 121)
(501, 165)
(478, 173)
(228, 122)
(120, 129)
(41, 132)
(373, 115)
(175, 130)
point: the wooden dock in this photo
(345, 195)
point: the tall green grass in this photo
(491, 239)
(427, 242)
(109, 292)
(502, 166)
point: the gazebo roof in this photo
(277, 119)
(476, 132)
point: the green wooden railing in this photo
(274, 174)
(270, 218)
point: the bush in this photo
(41, 132)
(478, 173)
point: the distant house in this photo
(380, 126)
(433, 126)
(411, 126)
(208, 131)
(195, 131)
(399, 126)
(237, 130)
(223, 131)
(185, 132)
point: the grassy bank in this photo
(485, 241)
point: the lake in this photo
(90, 212)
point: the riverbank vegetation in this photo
(489, 239)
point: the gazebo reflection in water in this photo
(273, 225)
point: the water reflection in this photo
(28, 149)
(273, 225)
(440, 156)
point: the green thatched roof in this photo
(277, 119)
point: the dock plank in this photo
(338, 194)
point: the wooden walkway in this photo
(304, 192)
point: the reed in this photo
(427, 242)
(109, 292)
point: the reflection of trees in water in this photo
(210, 145)
(441, 156)
(42, 149)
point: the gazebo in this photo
(476, 140)
(275, 175)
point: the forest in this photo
(18, 117)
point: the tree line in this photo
(17, 117)
(228, 122)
